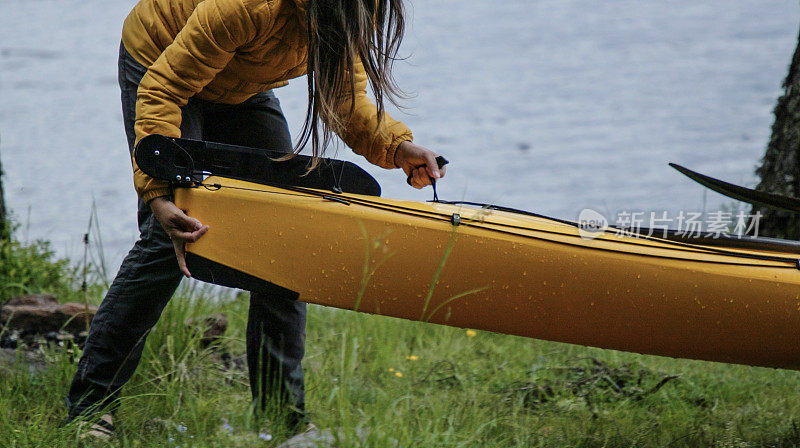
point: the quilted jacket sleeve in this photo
(377, 141)
(205, 45)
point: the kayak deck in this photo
(506, 272)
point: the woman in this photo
(206, 70)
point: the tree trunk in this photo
(4, 226)
(780, 167)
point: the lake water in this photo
(550, 106)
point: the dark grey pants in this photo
(149, 273)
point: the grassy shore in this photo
(387, 382)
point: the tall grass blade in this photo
(449, 248)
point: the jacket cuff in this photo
(149, 195)
(405, 137)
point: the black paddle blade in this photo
(741, 193)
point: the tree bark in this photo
(780, 167)
(4, 225)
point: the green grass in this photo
(456, 390)
(32, 268)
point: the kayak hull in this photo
(501, 272)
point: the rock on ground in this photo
(323, 438)
(11, 360)
(42, 314)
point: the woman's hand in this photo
(419, 163)
(181, 228)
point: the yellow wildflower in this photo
(471, 333)
(412, 357)
(398, 374)
(391, 369)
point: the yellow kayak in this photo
(512, 273)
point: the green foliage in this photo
(33, 268)
(27, 268)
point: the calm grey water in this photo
(550, 106)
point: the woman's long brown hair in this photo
(342, 33)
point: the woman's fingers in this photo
(189, 237)
(180, 254)
(419, 163)
(180, 227)
(419, 177)
(179, 240)
(181, 221)
(430, 163)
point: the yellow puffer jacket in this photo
(226, 51)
